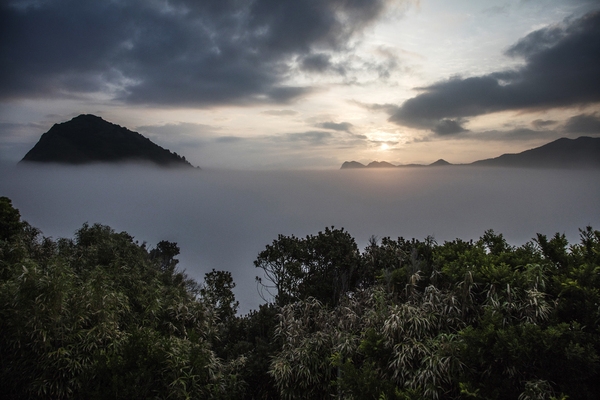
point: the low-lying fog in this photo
(223, 219)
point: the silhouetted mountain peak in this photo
(380, 164)
(440, 163)
(352, 164)
(583, 152)
(385, 164)
(90, 139)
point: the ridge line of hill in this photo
(583, 152)
(89, 139)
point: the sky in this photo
(305, 84)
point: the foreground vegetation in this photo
(102, 316)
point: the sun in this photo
(384, 146)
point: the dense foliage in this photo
(102, 316)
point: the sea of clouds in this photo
(223, 219)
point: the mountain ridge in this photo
(582, 152)
(89, 139)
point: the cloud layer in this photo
(177, 52)
(561, 64)
(223, 219)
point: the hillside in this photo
(90, 139)
(583, 152)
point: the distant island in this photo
(583, 152)
(89, 139)
(385, 164)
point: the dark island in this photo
(90, 139)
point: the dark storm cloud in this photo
(536, 42)
(341, 126)
(561, 70)
(316, 63)
(583, 123)
(171, 52)
(448, 127)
